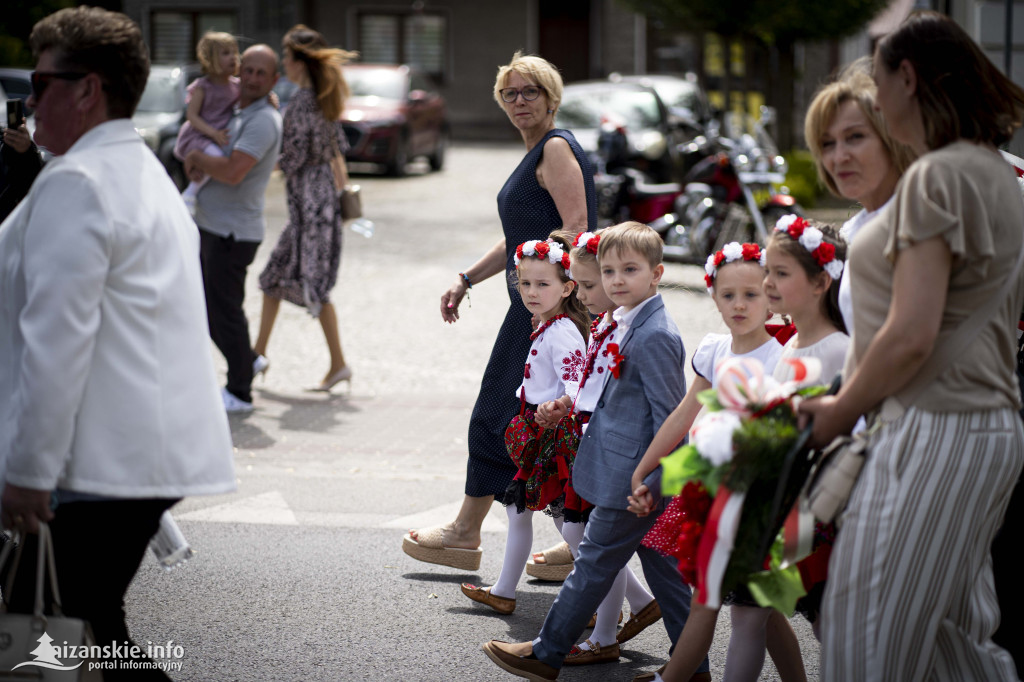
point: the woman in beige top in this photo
(910, 595)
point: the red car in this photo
(395, 114)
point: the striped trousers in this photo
(910, 594)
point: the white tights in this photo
(745, 657)
(517, 550)
(626, 585)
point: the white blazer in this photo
(107, 384)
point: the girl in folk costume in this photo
(734, 277)
(552, 370)
(569, 415)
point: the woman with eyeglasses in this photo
(553, 187)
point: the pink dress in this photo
(218, 107)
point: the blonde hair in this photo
(209, 45)
(633, 236)
(854, 84)
(323, 64)
(532, 68)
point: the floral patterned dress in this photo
(303, 267)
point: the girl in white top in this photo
(734, 280)
(573, 409)
(552, 370)
(805, 265)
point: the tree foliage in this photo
(774, 21)
(16, 22)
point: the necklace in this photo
(597, 339)
(543, 328)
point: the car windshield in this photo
(678, 94)
(369, 82)
(163, 92)
(583, 108)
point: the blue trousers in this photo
(610, 539)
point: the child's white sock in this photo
(608, 612)
(517, 550)
(572, 533)
(636, 594)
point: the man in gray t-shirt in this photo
(229, 213)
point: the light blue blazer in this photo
(631, 408)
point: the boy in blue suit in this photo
(648, 385)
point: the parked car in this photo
(683, 95)
(651, 131)
(395, 114)
(161, 113)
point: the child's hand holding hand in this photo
(221, 138)
(641, 501)
(550, 413)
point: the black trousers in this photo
(98, 548)
(225, 264)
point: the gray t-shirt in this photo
(237, 210)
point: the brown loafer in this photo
(595, 654)
(483, 595)
(640, 621)
(511, 657)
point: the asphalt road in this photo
(299, 575)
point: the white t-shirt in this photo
(831, 351)
(849, 232)
(554, 364)
(714, 348)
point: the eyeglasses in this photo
(42, 79)
(529, 93)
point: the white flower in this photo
(709, 266)
(834, 268)
(783, 223)
(732, 251)
(713, 436)
(811, 238)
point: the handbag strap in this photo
(947, 354)
(45, 561)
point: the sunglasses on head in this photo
(529, 93)
(42, 79)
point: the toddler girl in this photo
(734, 277)
(211, 101)
(571, 414)
(552, 370)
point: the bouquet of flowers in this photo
(737, 481)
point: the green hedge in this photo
(802, 178)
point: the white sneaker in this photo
(260, 365)
(233, 404)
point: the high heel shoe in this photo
(260, 365)
(343, 374)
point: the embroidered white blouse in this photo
(590, 392)
(554, 364)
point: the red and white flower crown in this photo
(588, 241)
(733, 251)
(812, 239)
(550, 250)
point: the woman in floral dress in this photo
(303, 267)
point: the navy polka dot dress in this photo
(527, 212)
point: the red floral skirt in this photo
(678, 530)
(544, 458)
